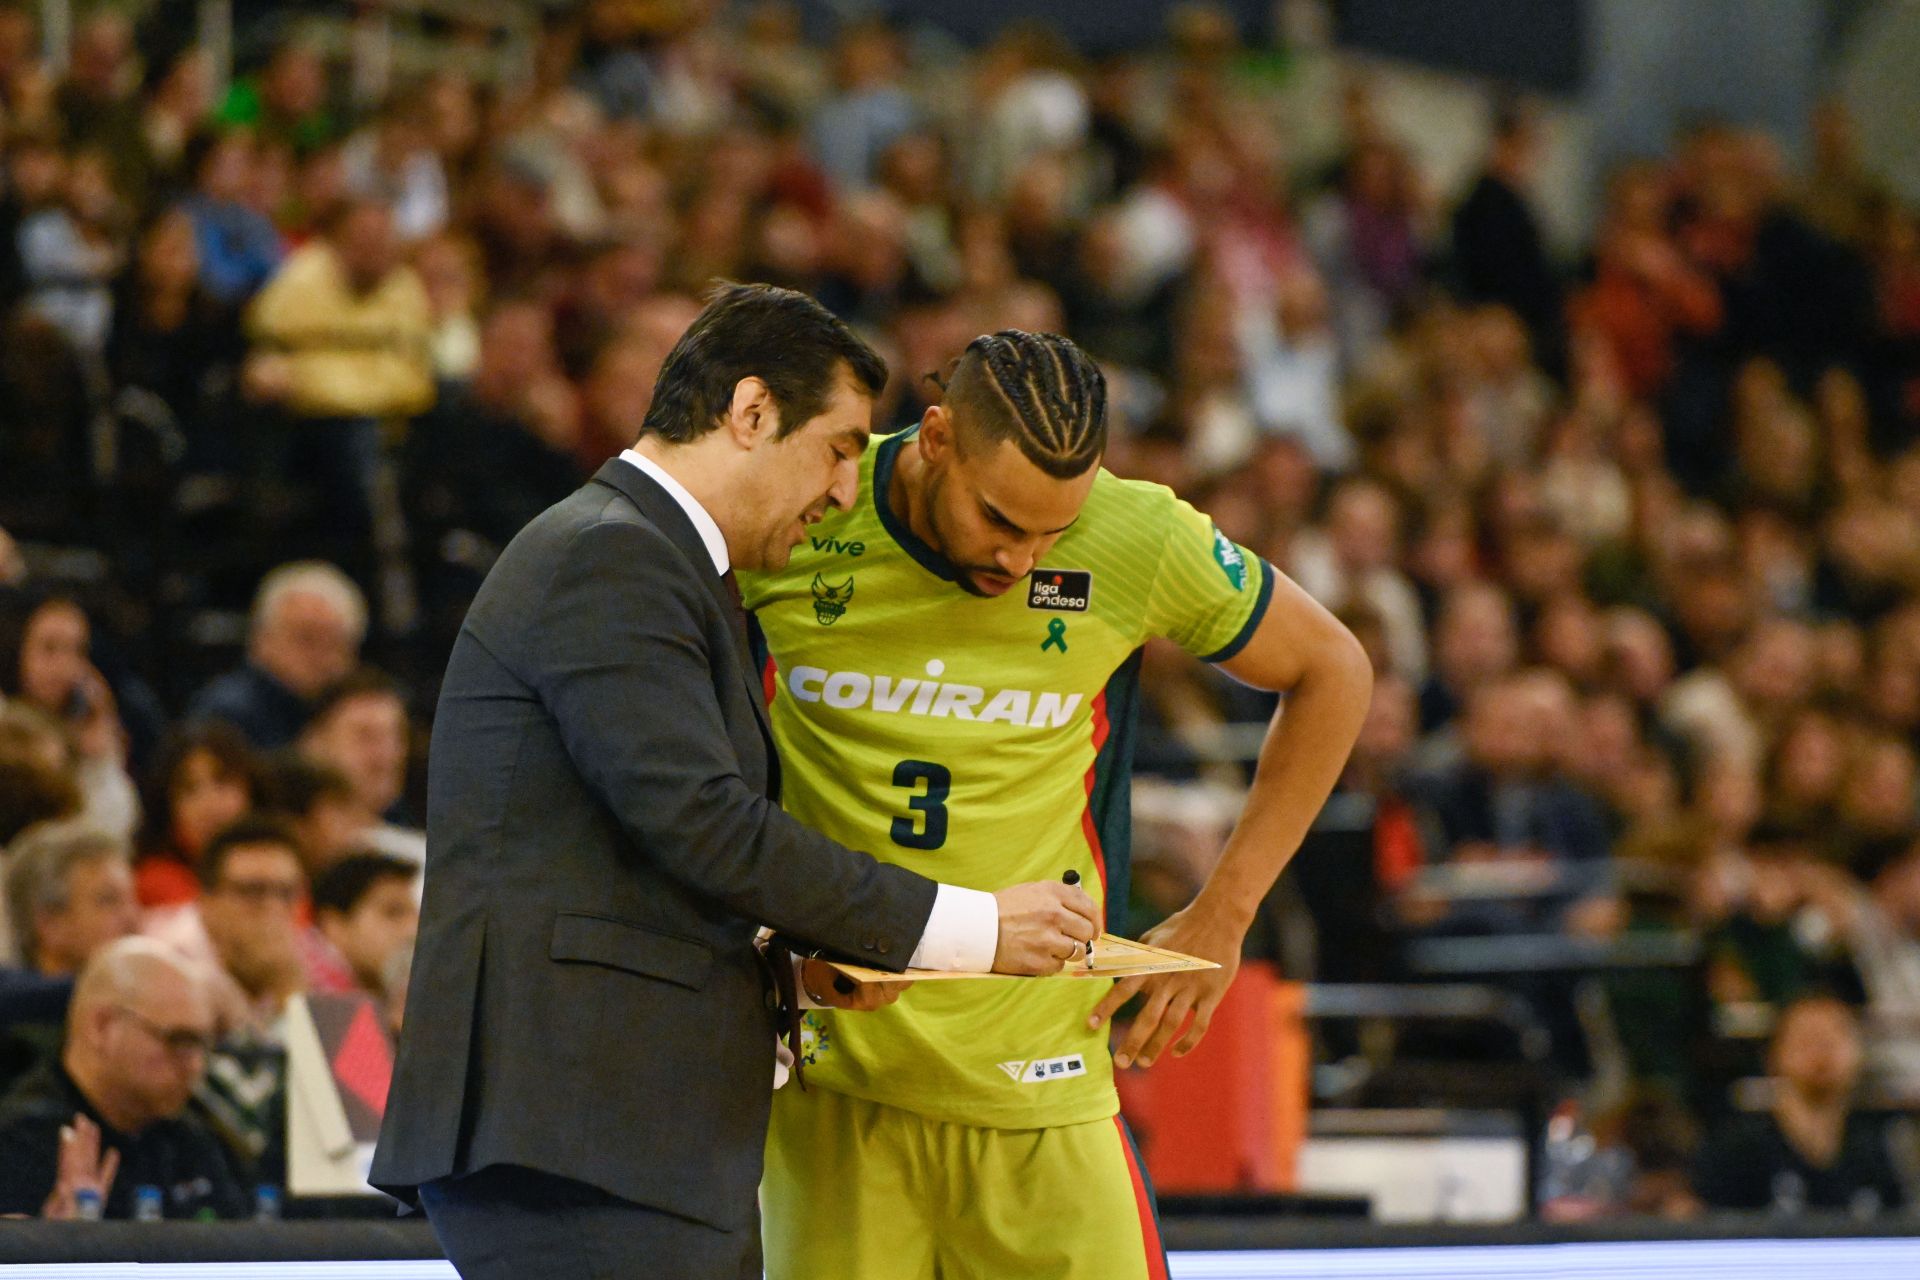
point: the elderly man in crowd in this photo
(308, 622)
(109, 1115)
(69, 893)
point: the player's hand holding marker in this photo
(1198, 930)
(1044, 925)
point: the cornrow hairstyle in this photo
(1038, 390)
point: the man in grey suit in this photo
(584, 1079)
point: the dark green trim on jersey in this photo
(757, 647)
(1111, 801)
(885, 453)
(1245, 633)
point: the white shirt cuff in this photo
(963, 932)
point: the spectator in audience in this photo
(36, 772)
(319, 806)
(1355, 560)
(869, 110)
(449, 269)
(1293, 372)
(110, 1115)
(1509, 799)
(237, 247)
(1807, 766)
(245, 928)
(206, 779)
(1877, 802)
(393, 161)
(70, 251)
(45, 664)
(305, 632)
(1881, 928)
(1808, 1151)
(1367, 239)
(36, 174)
(175, 342)
(1645, 291)
(1731, 713)
(287, 102)
(360, 728)
(1499, 251)
(490, 459)
(181, 102)
(1475, 640)
(340, 347)
(70, 893)
(1759, 945)
(366, 910)
(99, 103)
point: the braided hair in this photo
(1038, 390)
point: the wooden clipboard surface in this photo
(1113, 957)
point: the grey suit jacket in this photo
(603, 838)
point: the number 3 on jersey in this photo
(930, 832)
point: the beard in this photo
(963, 572)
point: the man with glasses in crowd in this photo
(108, 1117)
(245, 929)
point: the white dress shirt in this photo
(964, 930)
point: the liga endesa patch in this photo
(1060, 590)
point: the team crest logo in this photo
(830, 603)
(815, 1039)
(1231, 562)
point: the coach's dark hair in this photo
(1038, 390)
(784, 338)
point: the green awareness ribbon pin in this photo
(1056, 635)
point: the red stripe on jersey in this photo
(1087, 826)
(769, 682)
(1149, 1225)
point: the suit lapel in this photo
(658, 506)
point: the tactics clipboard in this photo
(1113, 957)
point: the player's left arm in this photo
(1303, 651)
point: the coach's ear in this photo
(752, 418)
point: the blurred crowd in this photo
(1632, 535)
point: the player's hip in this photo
(857, 1188)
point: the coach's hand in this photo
(1043, 925)
(827, 987)
(1199, 931)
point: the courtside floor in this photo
(1856, 1259)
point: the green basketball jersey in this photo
(983, 742)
